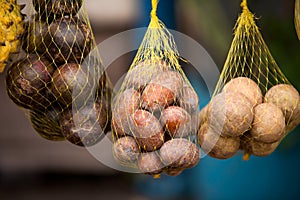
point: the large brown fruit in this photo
(180, 153)
(268, 124)
(230, 114)
(27, 82)
(215, 145)
(147, 130)
(150, 163)
(189, 99)
(69, 40)
(247, 87)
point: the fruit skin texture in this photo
(179, 153)
(189, 99)
(284, 96)
(176, 121)
(215, 145)
(126, 150)
(247, 87)
(150, 163)
(295, 119)
(27, 82)
(11, 30)
(86, 126)
(147, 130)
(69, 40)
(268, 124)
(230, 114)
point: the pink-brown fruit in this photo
(179, 153)
(284, 96)
(215, 145)
(124, 105)
(126, 151)
(262, 149)
(173, 172)
(150, 163)
(176, 121)
(247, 87)
(203, 114)
(147, 130)
(171, 80)
(295, 119)
(189, 99)
(268, 124)
(156, 97)
(140, 75)
(230, 114)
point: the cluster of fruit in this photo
(62, 86)
(154, 120)
(240, 117)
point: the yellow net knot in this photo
(154, 19)
(244, 5)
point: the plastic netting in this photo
(254, 106)
(57, 80)
(154, 114)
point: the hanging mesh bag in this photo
(154, 114)
(59, 83)
(254, 106)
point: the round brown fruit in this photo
(69, 40)
(147, 130)
(247, 87)
(150, 163)
(47, 124)
(215, 145)
(171, 80)
(179, 153)
(268, 124)
(189, 99)
(230, 114)
(126, 151)
(262, 149)
(284, 96)
(27, 82)
(176, 121)
(124, 105)
(86, 126)
(295, 119)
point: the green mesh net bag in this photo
(254, 106)
(59, 83)
(154, 114)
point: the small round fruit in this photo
(247, 87)
(150, 163)
(69, 40)
(179, 153)
(126, 151)
(284, 96)
(86, 126)
(295, 119)
(176, 121)
(70, 83)
(173, 172)
(262, 149)
(124, 105)
(189, 99)
(27, 82)
(230, 114)
(171, 80)
(268, 124)
(147, 130)
(215, 145)
(47, 124)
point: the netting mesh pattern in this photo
(63, 87)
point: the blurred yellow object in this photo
(11, 28)
(297, 17)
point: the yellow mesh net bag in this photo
(253, 106)
(59, 83)
(297, 17)
(154, 114)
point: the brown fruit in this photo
(147, 130)
(262, 149)
(179, 153)
(247, 87)
(156, 97)
(140, 75)
(230, 114)
(173, 172)
(150, 163)
(124, 105)
(86, 126)
(189, 99)
(295, 119)
(171, 80)
(27, 82)
(268, 124)
(215, 145)
(203, 114)
(176, 121)
(126, 151)
(284, 96)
